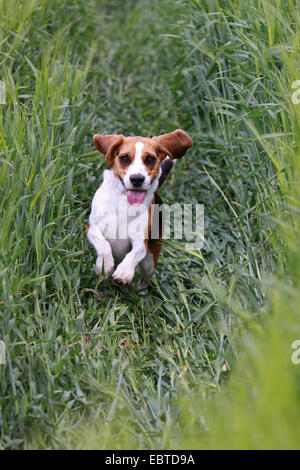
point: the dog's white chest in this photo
(117, 221)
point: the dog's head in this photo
(136, 160)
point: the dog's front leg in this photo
(105, 260)
(126, 269)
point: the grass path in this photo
(93, 365)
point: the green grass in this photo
(204, 360)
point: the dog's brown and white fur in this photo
(138, 166)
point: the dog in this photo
(137, 168)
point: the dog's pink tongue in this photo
(135, 197)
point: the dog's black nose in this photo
(137, 179)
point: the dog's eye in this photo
(124, 159)
(150, 160)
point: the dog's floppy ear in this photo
(107, 144)
(174, 144)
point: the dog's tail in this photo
(166, 166)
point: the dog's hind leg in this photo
(148, 264)
(146, 269)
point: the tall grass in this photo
(92, 365)
(259, 406)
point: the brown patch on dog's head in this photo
(174, 144)
(108, 145)
(120, 151)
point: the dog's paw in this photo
(123, 274)
(142, 287)
(104, 263)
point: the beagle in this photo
(126, 208)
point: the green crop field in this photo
(206, 359)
